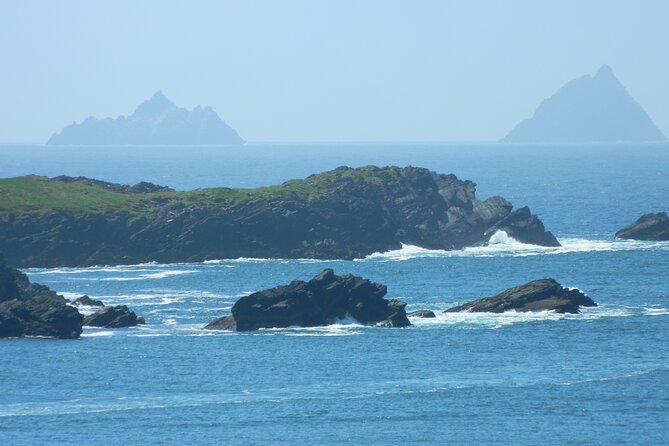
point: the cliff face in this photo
(588, 109)
(156, 121)
(342, 214)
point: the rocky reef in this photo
(345, 213)
(29, 309)
(538, 295)
(118, 316)
(647, 227)
(323, 300)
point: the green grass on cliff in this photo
(30, 194)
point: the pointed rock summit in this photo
(156, 121)
(588, 109)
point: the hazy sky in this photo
(319, 70)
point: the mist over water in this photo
(599, 377)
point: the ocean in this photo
(599, 377)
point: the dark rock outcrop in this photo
(118, 316)
(521, 225)
(29, 309)
(341, 214)
(538, 295)
(156, 121)
(423, 314)
(322, 301)
(86, 300)
(588, 109)
(647, 227)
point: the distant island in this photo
(588, 109)
(157, 121)
(345, 213)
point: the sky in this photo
(320, 70)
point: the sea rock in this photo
(86, 300)
(521, 225)
(322, 301)
(647, 227)
(345, 213)
(113, 317)
(424, 314)
(538, 295)
(28, 309)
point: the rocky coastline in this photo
(29, 309)
(345, 213)
(33, 310)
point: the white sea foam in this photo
(70, 295)
(153, 275)
(499, 320)
(656, 311)
(501, 245)
(151, 335)
(93, 333)
(346, 326)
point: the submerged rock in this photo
(113, 317)
(29, 309)
(322, 301)
(647, 227)
(86, 300)
(424, 314)
(538, 295)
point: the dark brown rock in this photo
(323, 300)
(538, 295)
(647, 227)
(521, 225)
(29, 309)
(113, 317)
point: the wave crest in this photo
(502, 245)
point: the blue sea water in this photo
(600, 377)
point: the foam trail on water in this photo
(502, 245)
(499, 320)
(91, 333)
(346, 326)
(154, 275)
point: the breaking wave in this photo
(467, 320)
(154, 275)
(502, 245)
